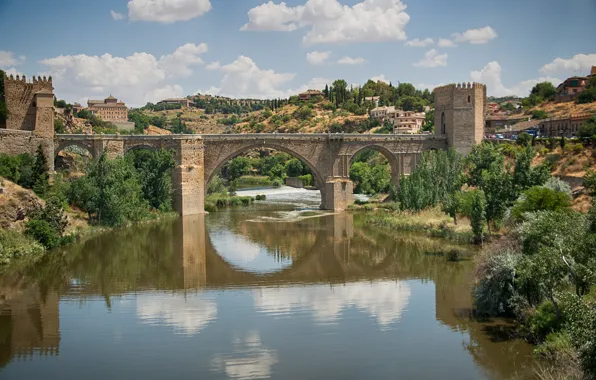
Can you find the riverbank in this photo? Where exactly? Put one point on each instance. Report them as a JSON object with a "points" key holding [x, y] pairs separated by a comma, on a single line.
{"points": [[432, 222]]}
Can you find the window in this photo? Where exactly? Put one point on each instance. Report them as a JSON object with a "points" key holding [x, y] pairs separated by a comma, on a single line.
{"points": [[469, 99], [443, 127]]}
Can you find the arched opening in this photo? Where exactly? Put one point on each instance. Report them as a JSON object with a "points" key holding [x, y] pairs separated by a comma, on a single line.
{"points": [[469, 99], [374, 171], [72, 158], [443, 126], [283, 176]]}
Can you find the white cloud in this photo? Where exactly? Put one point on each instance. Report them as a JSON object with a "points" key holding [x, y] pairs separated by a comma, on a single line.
{"points": [[177, 64], [317, 57], [580, 63], [135, 79], [380, 78], [351, 61], [167, 11], [7, 58], [385, 301], [331, 22], [476, 36], [444, 42], [213, 66], [416, 42], [432, 59], [249, 359], [12, 71], [491, 76], [187, 314], [427, 86], [117, 16]]}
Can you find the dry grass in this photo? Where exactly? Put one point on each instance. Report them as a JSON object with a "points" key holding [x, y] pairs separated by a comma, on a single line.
{"points": [[559, 110]]}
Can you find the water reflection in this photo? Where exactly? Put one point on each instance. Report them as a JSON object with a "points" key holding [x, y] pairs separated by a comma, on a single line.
{"points": [[188, 315], [334, 279], [249, 359], [385, 301]]}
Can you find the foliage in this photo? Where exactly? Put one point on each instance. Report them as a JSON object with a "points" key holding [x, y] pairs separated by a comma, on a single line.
{"points": [[556, 184], [216, 186], [540, 198], [539, 114], [14, 245], [98, 125], [47, 224], [111, 192], [478, 214], [59, 126], [545, 321], [590, 182], [589, 93], [370, 179], [437, 177], [524, 139], [588, 128], [307, 180], [294, 168], [40, 174], [238, 167], [496, 288], [581, 326], [155, 173]]}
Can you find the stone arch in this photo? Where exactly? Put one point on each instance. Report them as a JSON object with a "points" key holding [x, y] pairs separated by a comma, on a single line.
{"points": [[65, 144], [394, 165], [130, 148], [320, 180]]}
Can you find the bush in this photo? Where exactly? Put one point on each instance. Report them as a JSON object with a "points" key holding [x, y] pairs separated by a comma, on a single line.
{"points": [[43, 232], [590, 182], [540, 198], [307, 180], [14, 245], [261, 197], [544, 321], [524, 139], [277, 183], [556, 184], [478, 215], [552, 159], [495, 289]]}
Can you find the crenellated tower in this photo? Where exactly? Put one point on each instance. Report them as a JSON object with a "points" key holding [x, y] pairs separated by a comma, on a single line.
{"points": [[30, 105], [459, 114]]}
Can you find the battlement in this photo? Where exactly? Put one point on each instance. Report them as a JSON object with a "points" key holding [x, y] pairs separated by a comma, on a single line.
{"points": [[461, 86], [23, 79]]}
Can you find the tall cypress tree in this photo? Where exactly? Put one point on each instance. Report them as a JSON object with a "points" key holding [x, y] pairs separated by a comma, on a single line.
{"points": [[41, 177]]}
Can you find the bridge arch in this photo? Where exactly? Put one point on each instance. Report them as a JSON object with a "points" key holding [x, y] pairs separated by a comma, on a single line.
{"points": [[220, 162], [131, 148], [67, 144], [394, 165]]}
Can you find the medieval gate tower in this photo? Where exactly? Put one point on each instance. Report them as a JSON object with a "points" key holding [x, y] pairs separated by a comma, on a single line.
{"points": [[459, 114]]}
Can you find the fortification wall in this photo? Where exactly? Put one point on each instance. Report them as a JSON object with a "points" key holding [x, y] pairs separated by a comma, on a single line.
{"points": [[20, 100], [14, 142]]}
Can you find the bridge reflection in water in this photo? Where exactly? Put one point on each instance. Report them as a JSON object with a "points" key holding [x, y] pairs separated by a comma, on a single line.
{"points": [[330, 264]]}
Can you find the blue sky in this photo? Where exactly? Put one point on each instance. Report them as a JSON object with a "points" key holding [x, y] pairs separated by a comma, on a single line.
{"points": [[144, 50]]}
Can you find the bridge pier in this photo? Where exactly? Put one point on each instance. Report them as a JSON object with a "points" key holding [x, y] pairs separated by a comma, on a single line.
{"points": [[338, 194], [189, 176]]}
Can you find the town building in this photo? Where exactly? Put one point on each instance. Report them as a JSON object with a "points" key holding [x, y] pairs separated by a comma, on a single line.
{"points": [[500, 121], [108, 109], [308, 95], [184, 103], [402, 121], [571, 87], [493, 107], [374, 99], [566, 126], [76, 108]]}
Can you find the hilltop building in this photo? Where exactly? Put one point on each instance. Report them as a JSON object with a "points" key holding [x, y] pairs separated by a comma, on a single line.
{"points": [[403, 121], [109, 109], [184, 103], [307, 95], [565, 126], [573, 86]]}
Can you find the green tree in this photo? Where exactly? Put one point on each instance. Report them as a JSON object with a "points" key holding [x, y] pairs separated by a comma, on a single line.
{"points": [[47, 224], [340, 88], [478, 215], [524, 139], [589, 93], [238, 167], [544, 90], [155, 174], [294, 168], [539, 114], [588, 128], [41, 177], [429, 122], [540, 198], [111, 192]]}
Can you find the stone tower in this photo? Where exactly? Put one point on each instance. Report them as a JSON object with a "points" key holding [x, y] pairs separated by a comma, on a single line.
{"points": [[30, 107], [459, 114]]}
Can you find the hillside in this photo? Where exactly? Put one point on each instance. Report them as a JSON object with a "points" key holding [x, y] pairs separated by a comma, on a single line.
{"points": [[561, 110]]}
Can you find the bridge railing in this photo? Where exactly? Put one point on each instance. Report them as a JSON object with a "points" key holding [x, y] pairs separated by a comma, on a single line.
{"points": [[260, 136]]}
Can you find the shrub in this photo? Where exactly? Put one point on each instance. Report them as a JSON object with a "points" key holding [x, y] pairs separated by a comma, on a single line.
{"points": [[14, 245], [524, 139], [552, 159], [556, 184], [261, 197], [478, 215], [277, 183], [43, 232], [306, 179], [495, 289], [590, 182], [540, 198], [544, 321]]}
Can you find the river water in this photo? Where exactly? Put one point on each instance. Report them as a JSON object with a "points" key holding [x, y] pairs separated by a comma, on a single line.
{"points": [[278, 290]]}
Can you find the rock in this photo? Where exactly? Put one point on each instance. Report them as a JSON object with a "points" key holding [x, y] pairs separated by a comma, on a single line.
{"points": [[15, 204]]}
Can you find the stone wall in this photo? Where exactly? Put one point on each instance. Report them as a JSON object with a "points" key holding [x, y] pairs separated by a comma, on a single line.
{"points": [[14, 142], [20, 100], [462, 108]]}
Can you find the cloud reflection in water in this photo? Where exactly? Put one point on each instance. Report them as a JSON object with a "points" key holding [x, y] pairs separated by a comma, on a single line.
{"points": [[249, 359]]}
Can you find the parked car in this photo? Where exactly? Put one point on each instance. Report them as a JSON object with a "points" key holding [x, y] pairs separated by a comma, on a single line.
{"points": [[499, 136]]}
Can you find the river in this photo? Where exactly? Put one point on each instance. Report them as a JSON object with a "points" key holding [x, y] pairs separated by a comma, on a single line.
{"points": [[276, 290]]}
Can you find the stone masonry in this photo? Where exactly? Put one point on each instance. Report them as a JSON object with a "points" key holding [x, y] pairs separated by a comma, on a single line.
{"points": [[459, 123], [459, 114]]}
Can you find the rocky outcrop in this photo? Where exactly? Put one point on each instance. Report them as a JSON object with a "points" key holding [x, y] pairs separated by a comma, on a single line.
{"points": [[15, 204]]}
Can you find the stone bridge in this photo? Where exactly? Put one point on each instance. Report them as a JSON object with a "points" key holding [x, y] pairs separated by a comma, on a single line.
{"points": [[199, 157]]}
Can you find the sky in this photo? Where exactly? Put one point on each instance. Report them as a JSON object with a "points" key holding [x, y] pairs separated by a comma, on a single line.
{"points": [[146, 50]]}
